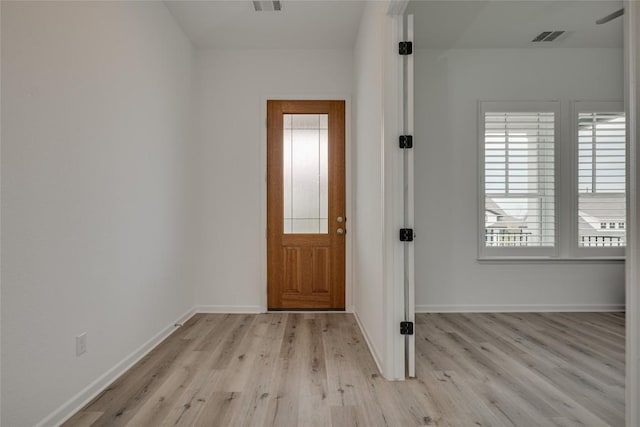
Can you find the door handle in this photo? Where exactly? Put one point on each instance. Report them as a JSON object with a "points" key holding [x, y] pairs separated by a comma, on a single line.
{"points": [[340, 231]]}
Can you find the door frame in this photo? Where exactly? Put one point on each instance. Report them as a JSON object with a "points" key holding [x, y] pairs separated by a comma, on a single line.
{"points": [[393, 174], [263, 290], [632, 101], [407, 115]]}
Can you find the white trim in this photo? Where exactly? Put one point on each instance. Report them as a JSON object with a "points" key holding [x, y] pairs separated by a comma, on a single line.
{"points": [[551, 260], [410, 191], [631, 76], [235, 309], [349, 159], [0, 253], [372, 349], [77, 402], [518, 308]]}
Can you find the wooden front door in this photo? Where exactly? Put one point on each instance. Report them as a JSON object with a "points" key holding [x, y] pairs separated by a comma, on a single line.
{"points": [[306, 205]]}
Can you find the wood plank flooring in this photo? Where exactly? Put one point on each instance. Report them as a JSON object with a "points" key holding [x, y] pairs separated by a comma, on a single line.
{"points": [[279, 369]]}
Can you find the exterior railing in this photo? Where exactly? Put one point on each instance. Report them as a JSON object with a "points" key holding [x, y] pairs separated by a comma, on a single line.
{"points": [[506, 237], [496, 237], [601, 241]]}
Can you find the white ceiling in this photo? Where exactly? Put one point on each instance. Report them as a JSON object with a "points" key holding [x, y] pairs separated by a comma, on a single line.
{"points": [[304, 24], [513, 24]]}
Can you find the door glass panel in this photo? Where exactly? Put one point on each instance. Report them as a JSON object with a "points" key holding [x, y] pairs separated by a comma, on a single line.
{"points": [[306, 172]]}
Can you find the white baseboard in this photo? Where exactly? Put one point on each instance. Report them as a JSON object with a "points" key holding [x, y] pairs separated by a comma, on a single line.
{"points": [[372, 350], [76, 403], [517, 308], [248, 309]]}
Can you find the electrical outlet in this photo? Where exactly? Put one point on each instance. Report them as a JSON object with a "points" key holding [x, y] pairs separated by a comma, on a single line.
{"points": [[81, 344]]}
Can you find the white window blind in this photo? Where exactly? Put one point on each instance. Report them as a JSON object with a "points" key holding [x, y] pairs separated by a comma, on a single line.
{"points": [[601, 179], [519, 179]]}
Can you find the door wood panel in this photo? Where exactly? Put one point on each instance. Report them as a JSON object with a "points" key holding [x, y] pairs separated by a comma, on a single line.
{"points": [[292, 269], [306, 270], [321, 270]]}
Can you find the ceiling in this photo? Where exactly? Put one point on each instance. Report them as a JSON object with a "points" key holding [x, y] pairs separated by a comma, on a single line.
{"points": [[513, 24], [305, 24]]}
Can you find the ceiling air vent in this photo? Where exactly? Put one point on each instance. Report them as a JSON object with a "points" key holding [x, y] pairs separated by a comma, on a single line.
{"points": [[547, 36], [267, 6]]}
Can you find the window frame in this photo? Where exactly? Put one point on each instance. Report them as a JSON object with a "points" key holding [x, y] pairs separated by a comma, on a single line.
{"points": [[492, 253], [578, 107]]}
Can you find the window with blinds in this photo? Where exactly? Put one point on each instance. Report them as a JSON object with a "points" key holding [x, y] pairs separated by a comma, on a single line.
{"points": [[519, 179], [601, 177]]}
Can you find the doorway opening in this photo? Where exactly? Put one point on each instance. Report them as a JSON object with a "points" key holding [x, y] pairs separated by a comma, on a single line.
{"points": [[521, 170]]}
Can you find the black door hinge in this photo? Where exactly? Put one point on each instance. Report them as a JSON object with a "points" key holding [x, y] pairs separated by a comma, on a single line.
{"points": [[405, 48], [406, 141], [406, 328], [406, 234]]}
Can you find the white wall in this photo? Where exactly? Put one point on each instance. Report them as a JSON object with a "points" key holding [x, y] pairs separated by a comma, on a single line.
{"points": [[233, 87], [94, 178], [367, 224], [377, 277], [448, 87]]}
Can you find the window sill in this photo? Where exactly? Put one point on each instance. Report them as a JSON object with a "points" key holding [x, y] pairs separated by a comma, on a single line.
{"points": [[550, 260]]}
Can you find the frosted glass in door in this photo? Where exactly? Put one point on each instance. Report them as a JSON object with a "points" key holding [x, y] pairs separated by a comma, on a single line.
{"points": [[305, 173]]}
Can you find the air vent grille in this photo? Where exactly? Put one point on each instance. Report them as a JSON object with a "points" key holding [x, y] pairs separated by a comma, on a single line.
{"points": [[267, 6], [548, 36]]}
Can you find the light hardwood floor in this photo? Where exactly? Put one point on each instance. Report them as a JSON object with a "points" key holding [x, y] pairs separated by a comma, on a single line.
{"points": [[282, 369]]}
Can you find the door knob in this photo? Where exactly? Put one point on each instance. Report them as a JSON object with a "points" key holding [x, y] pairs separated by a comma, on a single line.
{"points": [[340, 231]]}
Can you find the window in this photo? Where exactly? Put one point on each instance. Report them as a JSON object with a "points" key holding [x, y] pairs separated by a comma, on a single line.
{"points": [[518, 183], [601, 176], [523, 180]]}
